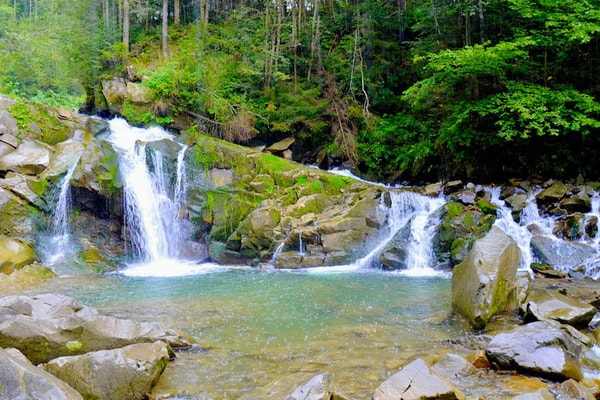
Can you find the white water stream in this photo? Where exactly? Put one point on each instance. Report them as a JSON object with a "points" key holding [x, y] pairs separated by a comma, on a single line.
{"points": [[153, 202]]}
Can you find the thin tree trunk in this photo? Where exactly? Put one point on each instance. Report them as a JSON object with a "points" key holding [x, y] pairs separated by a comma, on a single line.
{"points": [[176, 10], [165, 28], [126, 24]]}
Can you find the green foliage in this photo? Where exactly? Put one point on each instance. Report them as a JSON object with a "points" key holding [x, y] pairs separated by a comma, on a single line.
{"points": [[138, 115], [397, 143], [527, 110]]}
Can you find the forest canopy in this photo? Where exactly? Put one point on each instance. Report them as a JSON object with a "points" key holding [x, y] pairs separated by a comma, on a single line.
{"points": [[400, 90]]}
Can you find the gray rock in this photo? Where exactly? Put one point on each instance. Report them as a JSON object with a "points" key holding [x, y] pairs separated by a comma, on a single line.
{"points": [[485, 283], [556, 192], [65, 155], [281, 145], [48, 326], [559, 253], [547, 304], [286, 387], [29, 158], [540, 348], [416, 381], [127, 373], [22, 380], [114, 91]]}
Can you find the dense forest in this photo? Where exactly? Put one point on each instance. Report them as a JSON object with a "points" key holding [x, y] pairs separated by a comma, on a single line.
{"points": [[401, 90]]}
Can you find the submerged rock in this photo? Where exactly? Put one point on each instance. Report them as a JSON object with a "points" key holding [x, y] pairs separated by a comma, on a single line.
{"points": [[313, 388], [540, 348], [50, 325], [19, 379], [485, 283], [416, 381], [127, 373]]}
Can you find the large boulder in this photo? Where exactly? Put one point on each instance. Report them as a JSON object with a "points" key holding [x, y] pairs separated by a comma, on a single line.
{"points": [[561, 254], [460, 226], [485, 283], [15, 253], [416, 381], [540, 348], [127, 373], [115, 92], [65, 155], [19, 379], [546, 304], [48, 326], [29, 158]]}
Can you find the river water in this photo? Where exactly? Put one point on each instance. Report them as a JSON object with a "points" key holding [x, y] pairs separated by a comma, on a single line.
{"points": [[253, 327]]}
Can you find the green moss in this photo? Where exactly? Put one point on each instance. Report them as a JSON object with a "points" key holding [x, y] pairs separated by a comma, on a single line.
{"points": [[335, 184], [37, 122], [39, 187]]}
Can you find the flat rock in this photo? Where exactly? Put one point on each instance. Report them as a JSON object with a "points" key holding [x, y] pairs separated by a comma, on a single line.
{"points": [[415, 381], [29, 158], [552, 305], [48, 326], [540, 348]]}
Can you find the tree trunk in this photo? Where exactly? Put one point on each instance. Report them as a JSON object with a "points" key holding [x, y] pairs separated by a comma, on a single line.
{"points": [[481, 25], [176, 9], [165, 28], [126, 25]]}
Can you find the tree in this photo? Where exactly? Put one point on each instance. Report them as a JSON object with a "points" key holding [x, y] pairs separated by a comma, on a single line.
{"points": [[165, 28]]}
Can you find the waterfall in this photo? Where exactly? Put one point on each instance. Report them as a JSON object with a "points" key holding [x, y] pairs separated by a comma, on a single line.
{"points": [[59, 239], [413, 212], [154, 199]]}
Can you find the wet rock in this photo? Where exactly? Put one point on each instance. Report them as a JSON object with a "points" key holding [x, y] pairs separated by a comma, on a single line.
{"points": [[560, 254], [65, 155], [517, 202], [485, 283], [546, 304], [48, 326], [539, 348], [433, 189], [22, 380], [416, 381], [29, 158], [466, 196], [556, 192], [579, 202], [547, 270], [15, 253], [314, 388], [125, 373], [393, 255], [459, 227], [453, 186]]}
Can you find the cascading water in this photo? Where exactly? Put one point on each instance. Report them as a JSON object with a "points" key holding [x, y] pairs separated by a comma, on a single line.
{"points": [[59, 240], [153, 204], [415, 211]]}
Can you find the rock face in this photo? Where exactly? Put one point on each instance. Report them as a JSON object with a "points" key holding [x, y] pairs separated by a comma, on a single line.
{"points": [[540, 348], [560, 254], [127, 373], [14, 253], [22, 380], [416, 382], [49, 326], [485, 283], [29, 158]]}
